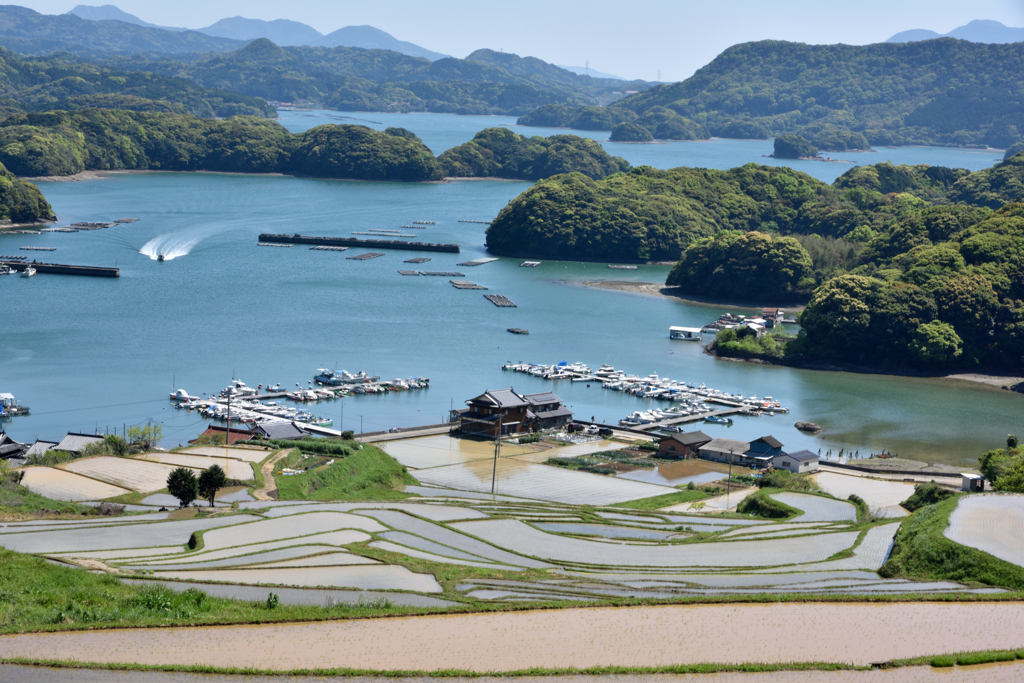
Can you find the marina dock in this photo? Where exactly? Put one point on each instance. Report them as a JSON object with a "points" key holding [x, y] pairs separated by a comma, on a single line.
{"points": [[268, 238], [63, 268]]}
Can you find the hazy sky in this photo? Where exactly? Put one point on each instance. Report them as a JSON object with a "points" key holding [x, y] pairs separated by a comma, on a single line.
{"points": [[633, 39]]}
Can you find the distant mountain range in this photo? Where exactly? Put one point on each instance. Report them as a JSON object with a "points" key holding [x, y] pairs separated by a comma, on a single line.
{"points": [[978, 31], [587, 71], [282, 32]]}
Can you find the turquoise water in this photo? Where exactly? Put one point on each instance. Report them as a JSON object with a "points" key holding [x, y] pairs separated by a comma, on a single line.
{"points": [[89, 353]]}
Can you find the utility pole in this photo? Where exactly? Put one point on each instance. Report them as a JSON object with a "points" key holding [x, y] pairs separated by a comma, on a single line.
{"points": [[728, 482], [227, 435], [497, 449]]}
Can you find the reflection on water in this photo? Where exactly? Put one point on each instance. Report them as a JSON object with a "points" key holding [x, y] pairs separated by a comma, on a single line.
{"points": [[680, 473]]}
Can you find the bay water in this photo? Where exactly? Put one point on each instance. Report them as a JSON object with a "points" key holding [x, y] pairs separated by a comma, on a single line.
{"points": [[91, 353]]}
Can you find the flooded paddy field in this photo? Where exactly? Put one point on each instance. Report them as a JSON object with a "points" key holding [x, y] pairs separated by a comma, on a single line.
{"points": [[628, 636], [992, 523], [985, 673]]}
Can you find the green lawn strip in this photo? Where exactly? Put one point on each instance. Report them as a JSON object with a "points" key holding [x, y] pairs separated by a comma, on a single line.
{"points": [[959, 658], [656, 502], [132, 497], [449, 673], [369, 474], [922, 552]]}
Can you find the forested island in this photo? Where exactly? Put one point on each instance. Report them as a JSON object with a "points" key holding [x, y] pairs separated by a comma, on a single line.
{"points": [[901, 266], [501, 153], [61, 143], [21, 201], [838, 97]]}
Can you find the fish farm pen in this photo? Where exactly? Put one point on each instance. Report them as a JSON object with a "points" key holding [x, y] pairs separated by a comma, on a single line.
{"points": [[266, 238]]}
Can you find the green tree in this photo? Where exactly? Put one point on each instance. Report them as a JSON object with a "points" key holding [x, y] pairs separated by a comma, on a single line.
{"points": [[935, 343], [1011, 481], [116, 445], [182, 484], [145, 437], [793, 147], [211, 480]]}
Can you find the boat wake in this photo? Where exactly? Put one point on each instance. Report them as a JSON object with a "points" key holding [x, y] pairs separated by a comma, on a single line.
{"points": [[170, 246]]}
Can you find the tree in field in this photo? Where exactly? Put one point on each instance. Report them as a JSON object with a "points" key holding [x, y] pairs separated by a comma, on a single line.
{"points": [[182, 484], [212, 480]]}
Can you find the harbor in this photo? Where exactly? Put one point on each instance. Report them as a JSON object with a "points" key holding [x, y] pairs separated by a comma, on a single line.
{"points": [[267, 238], [691, 402]]}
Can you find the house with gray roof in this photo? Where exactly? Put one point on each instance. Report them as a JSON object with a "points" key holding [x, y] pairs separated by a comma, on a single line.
{"points": [[797, 463], [286, 431], [76, 443], [516, 413]]}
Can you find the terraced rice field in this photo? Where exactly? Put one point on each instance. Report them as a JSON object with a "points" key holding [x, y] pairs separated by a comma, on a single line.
{"points": [[235, 469], [373, 577], [526, 540], [137, 475], [61, 485], [818, 508], [881, 496], [540, 482], [293, 526], [442, 450], [992, 523], [252, 455], [629, 637]]}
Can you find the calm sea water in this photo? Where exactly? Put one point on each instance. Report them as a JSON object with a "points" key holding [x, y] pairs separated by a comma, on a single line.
{"points": [[88, 353]]}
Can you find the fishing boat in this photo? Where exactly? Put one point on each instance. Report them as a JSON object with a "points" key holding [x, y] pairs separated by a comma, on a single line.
{"points": [[28, 272], [718, 420], [6, 270]]}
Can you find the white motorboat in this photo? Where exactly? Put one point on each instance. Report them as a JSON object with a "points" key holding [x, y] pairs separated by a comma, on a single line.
{"points": [[28, 272]]}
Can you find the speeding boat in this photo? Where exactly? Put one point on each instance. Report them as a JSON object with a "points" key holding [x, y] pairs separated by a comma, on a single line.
{"points": [[159, 257]]}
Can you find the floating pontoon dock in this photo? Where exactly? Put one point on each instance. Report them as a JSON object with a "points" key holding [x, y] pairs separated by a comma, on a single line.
{"points": [[355, 242]]}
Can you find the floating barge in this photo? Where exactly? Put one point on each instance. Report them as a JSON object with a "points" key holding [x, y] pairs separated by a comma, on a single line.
{"points": [[500, 301], [355, 242], [63, 269]]}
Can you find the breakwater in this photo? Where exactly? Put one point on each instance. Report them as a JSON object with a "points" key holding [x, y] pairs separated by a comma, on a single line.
{"points": [[63, 269], [354, 242]]}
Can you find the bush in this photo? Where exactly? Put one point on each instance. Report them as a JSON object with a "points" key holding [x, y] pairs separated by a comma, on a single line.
{"points": [[926, 494], [761, 504], [985, 657], [328, 447], [943, 661]]}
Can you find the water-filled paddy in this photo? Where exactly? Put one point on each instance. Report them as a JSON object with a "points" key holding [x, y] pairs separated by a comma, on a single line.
{"points": [[632, 636]]}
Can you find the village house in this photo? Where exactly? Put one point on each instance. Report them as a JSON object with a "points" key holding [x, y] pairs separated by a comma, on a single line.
{"points": [[797, 463], [517, 413], [757, 453], [684, 445]]}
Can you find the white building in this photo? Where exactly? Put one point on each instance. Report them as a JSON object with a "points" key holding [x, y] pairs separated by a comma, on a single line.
{"points": [[797, 463]]}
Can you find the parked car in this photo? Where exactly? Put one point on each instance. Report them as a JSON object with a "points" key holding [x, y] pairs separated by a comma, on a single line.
{"points": [[574, 427], [604, 431], [593, 429]]}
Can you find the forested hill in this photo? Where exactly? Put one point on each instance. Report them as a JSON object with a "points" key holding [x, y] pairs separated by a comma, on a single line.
{"points": [[64, 82], [21, 201], [29, 32], [500, 153], [354, 79], [943, 91], [60, 143]]}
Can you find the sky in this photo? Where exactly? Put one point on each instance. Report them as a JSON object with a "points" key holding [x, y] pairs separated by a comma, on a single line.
{"points": [[636, 39]]}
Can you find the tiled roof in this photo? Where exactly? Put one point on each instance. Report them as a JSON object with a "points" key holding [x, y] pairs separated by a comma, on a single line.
{"points": [[76, 443]]}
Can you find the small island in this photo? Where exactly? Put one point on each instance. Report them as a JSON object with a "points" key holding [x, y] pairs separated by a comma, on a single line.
{"points": [[794, 147]]}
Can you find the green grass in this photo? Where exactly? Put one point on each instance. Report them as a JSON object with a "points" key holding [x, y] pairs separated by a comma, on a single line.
{"points": [[16, 501], [369, 474], [922, 552], [684, 496], [970, 658]]}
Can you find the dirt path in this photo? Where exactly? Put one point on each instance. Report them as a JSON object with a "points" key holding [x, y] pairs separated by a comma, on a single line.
{"points": [[269, 485], [854, 633]]}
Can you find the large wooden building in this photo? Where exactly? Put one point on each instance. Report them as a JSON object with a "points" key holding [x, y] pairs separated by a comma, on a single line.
{"points": [[514, 412]]}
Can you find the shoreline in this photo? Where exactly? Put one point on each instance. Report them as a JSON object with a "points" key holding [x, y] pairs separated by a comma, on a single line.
{"points": [[655, 289], [1010, 383]]}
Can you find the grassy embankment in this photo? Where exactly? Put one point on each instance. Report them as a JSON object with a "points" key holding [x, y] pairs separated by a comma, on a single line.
{"points": [[17, 502], [364, 474], [921, 551]]}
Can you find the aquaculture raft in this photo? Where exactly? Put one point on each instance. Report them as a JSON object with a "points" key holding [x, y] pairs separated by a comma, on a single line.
{"points": [[38, 248], [476, 262], [622, 267], [323, 248], [365, 257], [417, 260], [500, 301], [355, 242], [408, 272], [518, 330], [442, 273], [465, 284]]}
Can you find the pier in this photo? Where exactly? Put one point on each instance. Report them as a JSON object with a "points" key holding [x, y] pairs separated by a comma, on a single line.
{"points": [[63, 269], [267, 238], [500, 301]]}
